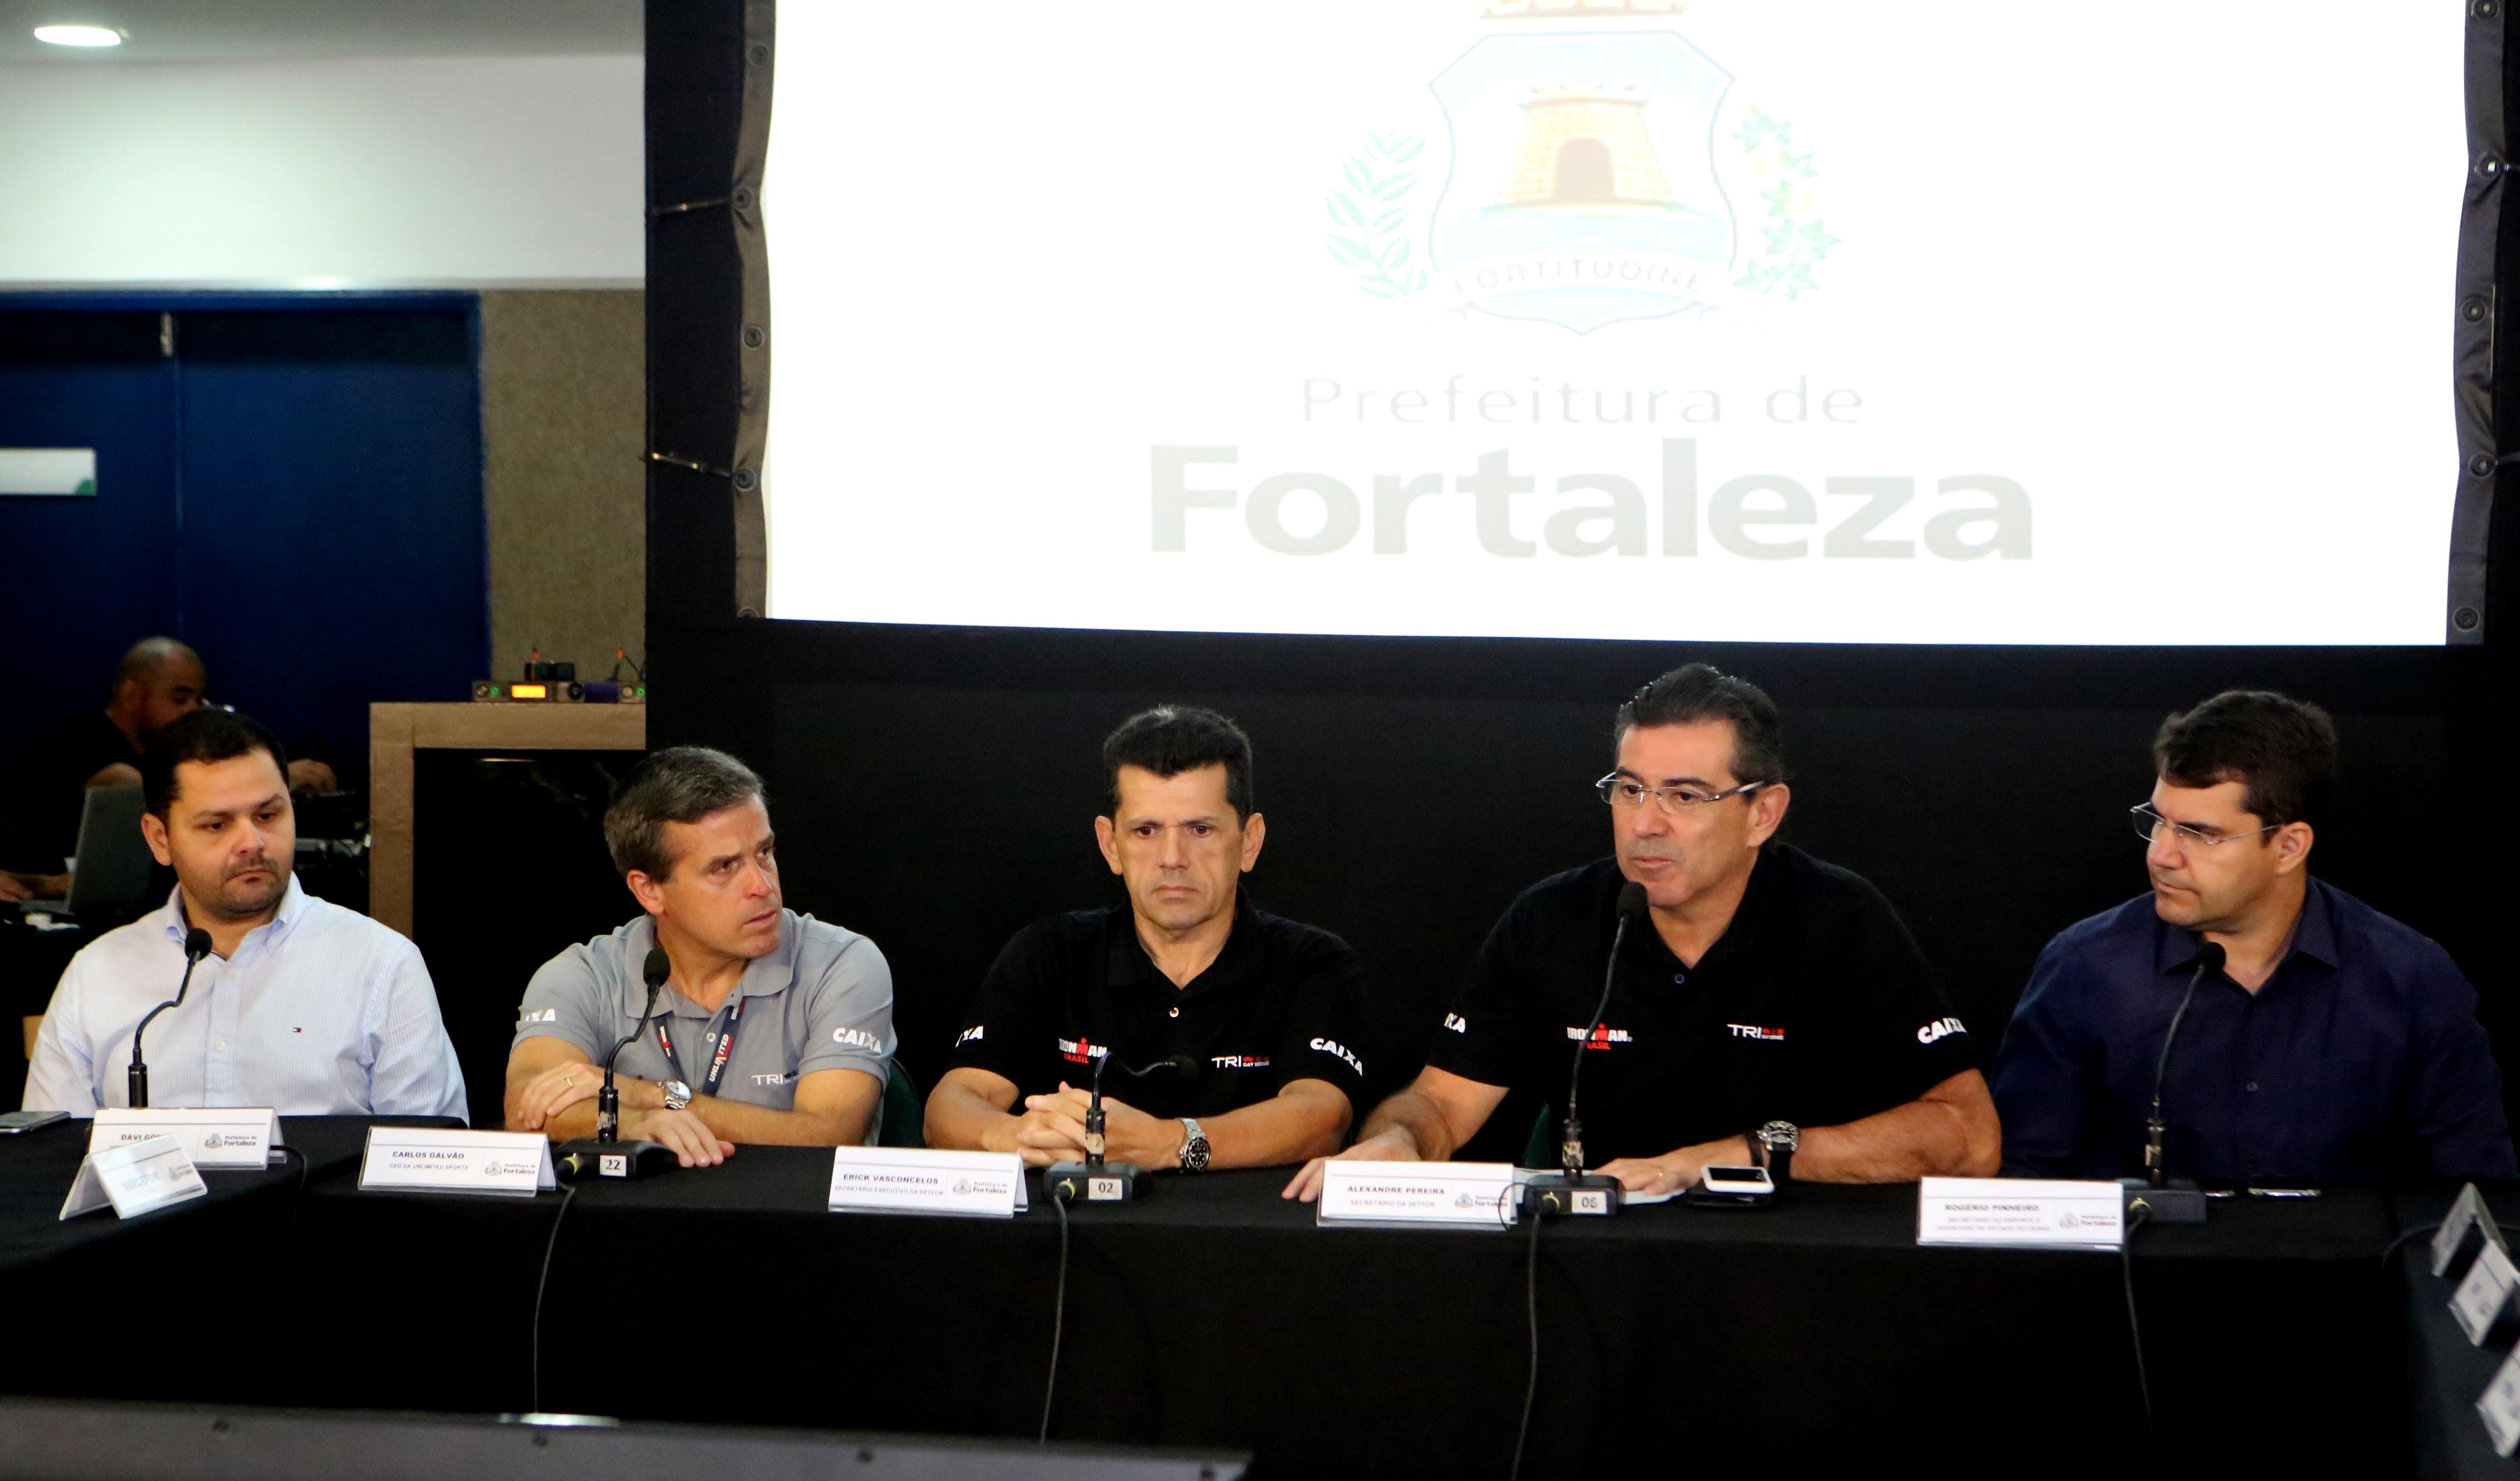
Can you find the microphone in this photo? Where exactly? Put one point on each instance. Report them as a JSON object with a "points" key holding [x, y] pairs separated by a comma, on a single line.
{"points": [[608, 1101], [196, 945], [1095, 1180], [608, 1155], [1573, 1190], [2154, 1194]]}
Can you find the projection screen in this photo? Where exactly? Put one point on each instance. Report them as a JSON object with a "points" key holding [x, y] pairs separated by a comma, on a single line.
{"points": [[1835, 321]]}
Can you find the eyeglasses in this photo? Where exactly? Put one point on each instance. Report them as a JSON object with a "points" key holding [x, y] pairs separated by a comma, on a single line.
{"points": [[2151, 826], [1627, 791]]}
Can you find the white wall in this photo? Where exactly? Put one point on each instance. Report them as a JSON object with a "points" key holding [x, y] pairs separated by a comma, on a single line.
{"points": [[468, 171]]}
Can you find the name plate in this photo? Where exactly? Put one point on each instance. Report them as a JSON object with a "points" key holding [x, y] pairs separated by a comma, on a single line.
{"points": [[134, 1177], [217, 1137], [1463, 1194], [904, 1180], [2022, 1213], [430, 1160], [2469, 1212], [2499, 1408], [2479, 1299]]}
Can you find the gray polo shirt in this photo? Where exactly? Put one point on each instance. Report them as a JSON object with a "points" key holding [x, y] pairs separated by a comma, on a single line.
{"points": [[822, 1001]]}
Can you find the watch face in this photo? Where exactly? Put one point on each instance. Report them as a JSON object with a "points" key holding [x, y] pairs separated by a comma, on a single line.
{"points": [[677, 1095], [1783, 1134]]}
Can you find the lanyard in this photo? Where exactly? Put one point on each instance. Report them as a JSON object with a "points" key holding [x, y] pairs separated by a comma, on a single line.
{"points": [[717, 1061]]}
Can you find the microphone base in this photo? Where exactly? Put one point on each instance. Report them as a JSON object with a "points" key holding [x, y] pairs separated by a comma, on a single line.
{"points": [[2179, 1204], [1565, 1195], [577, 1161], [1097, 1183]]}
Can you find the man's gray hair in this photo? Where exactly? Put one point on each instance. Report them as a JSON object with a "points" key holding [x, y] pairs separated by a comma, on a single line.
{"points": [[680, 785]]}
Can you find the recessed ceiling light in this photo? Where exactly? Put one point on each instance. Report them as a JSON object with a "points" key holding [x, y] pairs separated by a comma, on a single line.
{"points": [[78, 35]]}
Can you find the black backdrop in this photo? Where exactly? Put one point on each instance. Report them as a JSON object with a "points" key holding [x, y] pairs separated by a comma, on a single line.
{"points": [[934, 787]]}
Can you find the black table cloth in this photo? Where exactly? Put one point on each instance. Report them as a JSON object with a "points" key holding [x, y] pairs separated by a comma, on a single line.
{"points": [[1216, 1314]]}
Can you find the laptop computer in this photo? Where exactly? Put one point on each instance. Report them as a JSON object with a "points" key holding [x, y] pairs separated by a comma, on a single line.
{"points": [[112, 877]]}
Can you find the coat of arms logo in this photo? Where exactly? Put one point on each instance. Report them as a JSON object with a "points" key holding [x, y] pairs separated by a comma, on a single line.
{"points": [[1584, 182]]}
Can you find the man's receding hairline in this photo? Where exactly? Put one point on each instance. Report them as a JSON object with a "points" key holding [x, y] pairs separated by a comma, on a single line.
{"points": [[664, 827]]}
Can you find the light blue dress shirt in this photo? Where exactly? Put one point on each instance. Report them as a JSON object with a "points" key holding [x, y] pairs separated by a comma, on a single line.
{"points": [[321, 1012]]}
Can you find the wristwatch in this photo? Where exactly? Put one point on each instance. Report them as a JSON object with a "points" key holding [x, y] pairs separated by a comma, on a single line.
{"points": [[677, 1095], [1194, 1149], [1776, 1143]]}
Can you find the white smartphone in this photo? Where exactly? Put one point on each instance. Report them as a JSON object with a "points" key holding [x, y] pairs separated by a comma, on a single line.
{"points": [[1733, 1188]]}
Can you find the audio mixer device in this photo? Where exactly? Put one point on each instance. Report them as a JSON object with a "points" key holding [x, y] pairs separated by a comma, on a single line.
{"points": [[548, 681]]}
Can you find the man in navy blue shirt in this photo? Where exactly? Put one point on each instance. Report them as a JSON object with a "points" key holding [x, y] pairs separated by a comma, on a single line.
{"points": [[2334, 1045]]}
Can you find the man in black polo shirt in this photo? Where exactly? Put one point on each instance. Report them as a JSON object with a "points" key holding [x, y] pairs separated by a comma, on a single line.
{"points": [[1262, 1010], [1769, 1008]]}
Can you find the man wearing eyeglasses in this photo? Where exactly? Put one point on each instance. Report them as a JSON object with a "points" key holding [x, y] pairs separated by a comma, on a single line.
{"points": [[2334, 1045], [1769, 1009]]}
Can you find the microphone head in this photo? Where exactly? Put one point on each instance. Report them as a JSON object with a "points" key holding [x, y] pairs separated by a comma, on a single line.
{"points": [[197, 944], [1631, 901], [659, 968], [2210, 955]]}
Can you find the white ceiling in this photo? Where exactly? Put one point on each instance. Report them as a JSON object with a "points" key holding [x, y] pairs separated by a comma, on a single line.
{"points": [[248, 31]]}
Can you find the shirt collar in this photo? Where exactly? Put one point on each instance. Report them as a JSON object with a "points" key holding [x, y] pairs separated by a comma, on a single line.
{"points": [[1127, 962], [293, 908], [762, 976], [2314, 935]]}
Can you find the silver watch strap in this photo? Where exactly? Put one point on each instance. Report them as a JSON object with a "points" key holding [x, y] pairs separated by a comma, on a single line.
{"points": [[1191, 1134]]}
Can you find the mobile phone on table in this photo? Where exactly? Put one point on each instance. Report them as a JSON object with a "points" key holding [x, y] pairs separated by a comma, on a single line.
{"points": [[1721, 1186], [11, 1123]]}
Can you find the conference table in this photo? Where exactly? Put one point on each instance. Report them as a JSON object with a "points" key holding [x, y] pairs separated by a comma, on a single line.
{"points": [[1215, 1313]]}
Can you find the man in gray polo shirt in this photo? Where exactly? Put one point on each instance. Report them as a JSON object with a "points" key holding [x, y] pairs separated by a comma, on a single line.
{"points": [[773, 1027]]}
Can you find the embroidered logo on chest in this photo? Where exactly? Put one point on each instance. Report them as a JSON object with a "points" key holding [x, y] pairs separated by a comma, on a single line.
{"points": [[1602, 1037], [1755, 1031]]}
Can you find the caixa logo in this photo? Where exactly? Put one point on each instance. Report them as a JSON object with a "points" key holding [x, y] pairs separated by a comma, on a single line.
{"points": [[1333, 1046], [1940, 1028]]}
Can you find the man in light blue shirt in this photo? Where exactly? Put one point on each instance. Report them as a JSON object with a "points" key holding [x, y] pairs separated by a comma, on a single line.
{"points": [[301, 1005]]}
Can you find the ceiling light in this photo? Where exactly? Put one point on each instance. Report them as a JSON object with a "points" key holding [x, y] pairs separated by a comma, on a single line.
{"points": [[78, 35]]}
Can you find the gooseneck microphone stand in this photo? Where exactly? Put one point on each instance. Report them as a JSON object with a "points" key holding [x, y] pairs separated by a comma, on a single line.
{"points": [[1571, 1190], [196, 945], [608, 1155], [1094, 1180], [2154, 1196]]}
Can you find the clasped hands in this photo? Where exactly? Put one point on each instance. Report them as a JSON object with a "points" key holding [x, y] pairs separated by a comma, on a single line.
{"points": [[1052, 1129], [644, 1117]]}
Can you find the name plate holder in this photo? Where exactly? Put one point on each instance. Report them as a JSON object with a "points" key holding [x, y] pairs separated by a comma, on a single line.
{"points": [[2500, 1406], [2477, 1302], [904, 1180], [2469, 1215], [2020, 1213], [135, 1177], [420, 1160], [1416, 1194], [217, 1138]]}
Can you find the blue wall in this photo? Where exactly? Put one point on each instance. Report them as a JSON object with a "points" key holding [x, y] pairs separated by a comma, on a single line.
{"points": [[295, 491]]}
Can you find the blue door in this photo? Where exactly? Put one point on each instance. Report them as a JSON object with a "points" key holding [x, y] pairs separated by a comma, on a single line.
{"points": [[291, 484]]}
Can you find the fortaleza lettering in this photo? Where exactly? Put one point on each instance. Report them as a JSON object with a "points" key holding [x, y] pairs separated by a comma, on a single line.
{"points": [[1756, 517]]}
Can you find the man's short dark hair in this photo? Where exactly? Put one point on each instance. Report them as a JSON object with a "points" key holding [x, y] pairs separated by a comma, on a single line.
{"points": [[204, 736], [2282, 748], [1172, 739], [681, 784], [1698, 692]]}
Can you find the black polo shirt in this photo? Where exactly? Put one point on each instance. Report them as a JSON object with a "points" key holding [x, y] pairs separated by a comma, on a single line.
{"points": [[1814, 1006], [1283, 1001]]}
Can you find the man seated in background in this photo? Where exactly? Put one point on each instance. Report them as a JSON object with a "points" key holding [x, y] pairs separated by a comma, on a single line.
{"points": [[1261, 1013], [158, 682], [2332, 1045], [690, 835], [301, 1005], [1768, 1009]]}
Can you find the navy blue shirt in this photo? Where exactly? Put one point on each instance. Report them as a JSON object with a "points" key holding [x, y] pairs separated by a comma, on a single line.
{"points": [[2361, 1057]]}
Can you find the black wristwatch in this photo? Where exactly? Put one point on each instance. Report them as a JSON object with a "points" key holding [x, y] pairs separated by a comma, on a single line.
{"points": [[1775, 1145], [1194, 1147]]}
